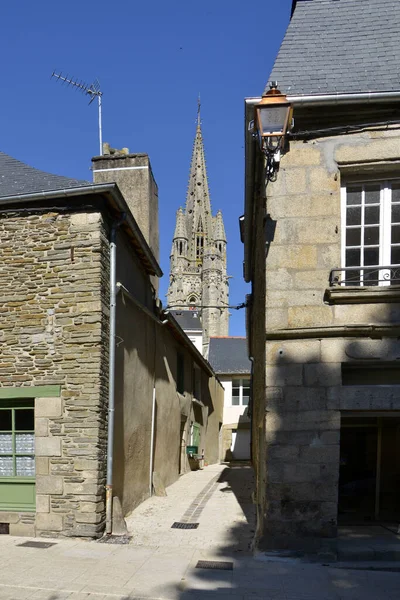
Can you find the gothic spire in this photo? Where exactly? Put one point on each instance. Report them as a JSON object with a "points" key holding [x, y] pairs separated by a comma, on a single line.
{"points": [[180, 228], [198, 205], [219, 229]]}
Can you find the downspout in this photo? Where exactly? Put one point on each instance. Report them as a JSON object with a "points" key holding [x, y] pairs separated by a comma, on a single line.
{"points": [[153, 417], [111, 373]]}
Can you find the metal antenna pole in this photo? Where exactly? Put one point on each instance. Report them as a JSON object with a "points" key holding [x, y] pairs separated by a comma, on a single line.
{"points": [[100, 126], [92, 90]]}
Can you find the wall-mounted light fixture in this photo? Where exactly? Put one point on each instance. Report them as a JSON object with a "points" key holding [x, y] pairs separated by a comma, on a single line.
{"points": [[273, 116]]}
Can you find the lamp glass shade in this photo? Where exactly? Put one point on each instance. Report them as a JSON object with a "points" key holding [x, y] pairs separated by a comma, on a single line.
{"points": [[272, 119]]}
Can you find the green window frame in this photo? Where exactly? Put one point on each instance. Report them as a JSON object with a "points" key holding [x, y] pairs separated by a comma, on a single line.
{"points": [[17, 439]]}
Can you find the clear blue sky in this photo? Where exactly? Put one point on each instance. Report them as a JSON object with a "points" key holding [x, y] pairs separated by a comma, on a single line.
{"points": [[152, 60]]}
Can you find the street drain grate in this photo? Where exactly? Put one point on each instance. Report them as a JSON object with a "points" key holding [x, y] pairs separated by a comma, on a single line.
{"points": [[115, 539], [215, 564], [41, 545], [178, 525], [4, 528]]}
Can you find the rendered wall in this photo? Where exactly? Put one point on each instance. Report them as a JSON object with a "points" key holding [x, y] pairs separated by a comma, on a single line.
{"points": [[133, 174]]}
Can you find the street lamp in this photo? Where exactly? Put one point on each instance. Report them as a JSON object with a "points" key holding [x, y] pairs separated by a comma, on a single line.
{"points": [[273, 115]]}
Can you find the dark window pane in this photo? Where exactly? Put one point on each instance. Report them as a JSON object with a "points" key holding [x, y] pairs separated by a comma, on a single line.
{"points": [[372, 194], [24, 419], [353, 257], [371, 236], [395, 234], [353, 216], [180, 373], [371, 215], [235, 390], [371, 276], [5, 420], [246, 382], [352, 277], [354, 195], [395, 255], [395, 213], [396, 192], [371, 256], [353, 236]]}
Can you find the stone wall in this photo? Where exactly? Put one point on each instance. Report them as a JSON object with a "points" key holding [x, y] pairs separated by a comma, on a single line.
{"points": [[54, 306], [309, 337], [52, 325]]}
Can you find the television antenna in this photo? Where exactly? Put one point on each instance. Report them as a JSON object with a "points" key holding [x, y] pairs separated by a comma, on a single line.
{"points": [[92, 90]]}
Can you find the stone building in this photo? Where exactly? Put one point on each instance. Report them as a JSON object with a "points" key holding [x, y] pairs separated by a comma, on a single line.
{"points": [[322, 251], [58, 237], [228, 357], [198, 277]]}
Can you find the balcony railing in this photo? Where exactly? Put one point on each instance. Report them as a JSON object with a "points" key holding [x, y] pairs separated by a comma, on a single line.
{"points": [[365, 276]]}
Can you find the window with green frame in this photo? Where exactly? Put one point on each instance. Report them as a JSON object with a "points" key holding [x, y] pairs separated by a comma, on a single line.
{"points": [[17, 454]]}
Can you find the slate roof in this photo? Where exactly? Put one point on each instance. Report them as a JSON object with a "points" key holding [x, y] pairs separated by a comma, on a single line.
{"points": [[340, 46], [17, 178], [187, 319], [229, 355]]}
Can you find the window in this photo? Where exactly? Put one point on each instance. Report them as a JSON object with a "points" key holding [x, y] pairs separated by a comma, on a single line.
{"points": [[17, 439], [196, 382], [371, 234], [240, 392], [199, 247], [180, 373]]}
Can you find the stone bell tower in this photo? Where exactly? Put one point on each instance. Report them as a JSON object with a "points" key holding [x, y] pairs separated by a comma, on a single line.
{"points": [[198, 277]]}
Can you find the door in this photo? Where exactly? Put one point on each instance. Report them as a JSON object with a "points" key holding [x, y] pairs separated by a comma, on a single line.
{"points": [[196, 435], [240, 447], [369, 480]]}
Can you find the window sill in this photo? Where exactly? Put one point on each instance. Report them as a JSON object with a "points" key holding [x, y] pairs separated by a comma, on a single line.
{"points": [[362, 294]]}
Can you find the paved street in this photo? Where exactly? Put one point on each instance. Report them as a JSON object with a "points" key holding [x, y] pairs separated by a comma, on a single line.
{"points": [[160, 561]]}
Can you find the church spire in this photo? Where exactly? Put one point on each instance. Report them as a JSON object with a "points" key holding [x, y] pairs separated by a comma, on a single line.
{"points": [[198, 204], [198, 274]]}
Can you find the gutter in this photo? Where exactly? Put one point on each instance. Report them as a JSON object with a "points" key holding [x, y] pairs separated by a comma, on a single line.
{"points": [[117, 201], [337, 98]]}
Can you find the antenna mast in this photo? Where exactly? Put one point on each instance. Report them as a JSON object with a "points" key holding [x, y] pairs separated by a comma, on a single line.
{"points": [[92, 90]]}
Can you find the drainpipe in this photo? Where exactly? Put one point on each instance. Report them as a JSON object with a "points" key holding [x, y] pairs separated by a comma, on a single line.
{"points": [[153, 417], [111, 374]]}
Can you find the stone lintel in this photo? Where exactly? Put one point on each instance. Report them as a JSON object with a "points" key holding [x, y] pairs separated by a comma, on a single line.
{"points": [[298, 333], [362, 295]]}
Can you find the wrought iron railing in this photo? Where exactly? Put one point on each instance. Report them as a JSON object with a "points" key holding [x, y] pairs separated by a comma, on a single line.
{"points": [[365, 276]]}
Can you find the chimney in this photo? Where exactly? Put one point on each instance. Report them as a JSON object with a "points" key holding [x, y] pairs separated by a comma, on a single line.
{"points": [[134, 177]]}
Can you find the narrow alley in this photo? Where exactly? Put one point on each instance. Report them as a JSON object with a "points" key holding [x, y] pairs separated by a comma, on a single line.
{"points": [[164, 562], [217, 498]]}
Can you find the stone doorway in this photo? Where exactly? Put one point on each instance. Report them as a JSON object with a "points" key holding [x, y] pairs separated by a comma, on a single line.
{"points": [[369, 476]]}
